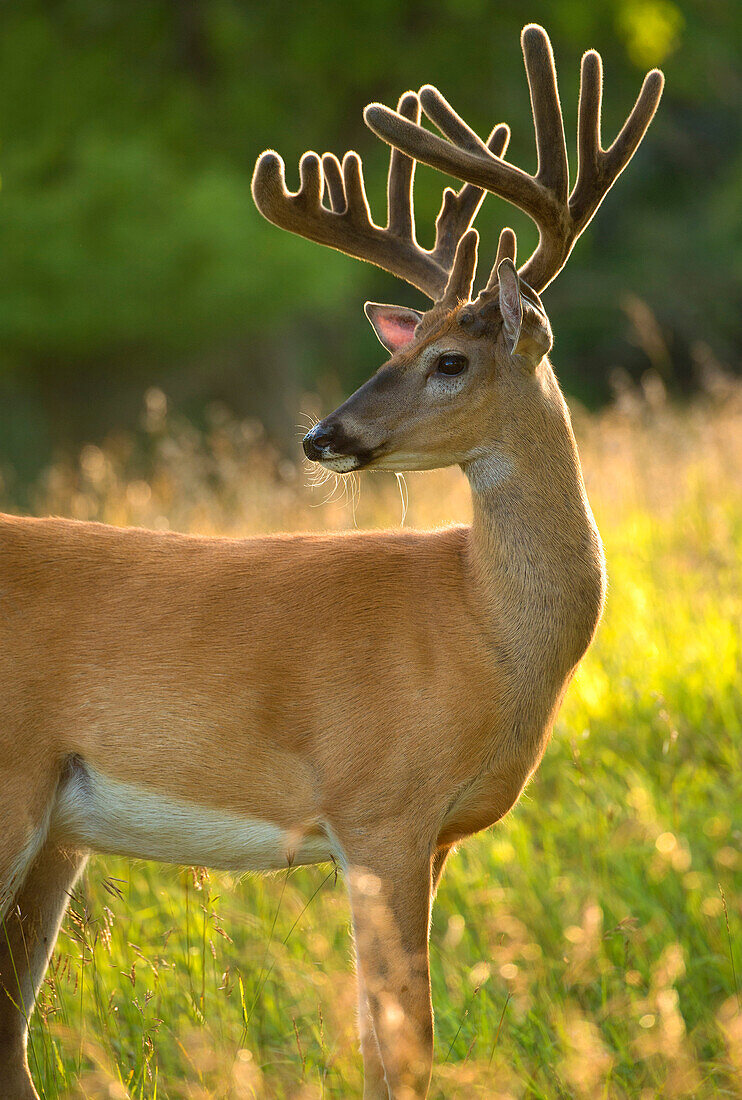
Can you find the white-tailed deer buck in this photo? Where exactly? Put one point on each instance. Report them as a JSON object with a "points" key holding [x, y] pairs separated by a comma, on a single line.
{"points": [[370, 697]]}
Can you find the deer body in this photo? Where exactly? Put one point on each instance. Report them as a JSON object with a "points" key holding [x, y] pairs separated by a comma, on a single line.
{"points": [[370, 698], [139, 643]]}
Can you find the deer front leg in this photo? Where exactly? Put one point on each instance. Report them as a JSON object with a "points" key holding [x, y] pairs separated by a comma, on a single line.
{"points": [[374, 1078], [390, 891]]}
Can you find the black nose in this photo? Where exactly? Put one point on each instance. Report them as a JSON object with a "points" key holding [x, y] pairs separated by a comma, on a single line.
{"points": [[316, 441]]}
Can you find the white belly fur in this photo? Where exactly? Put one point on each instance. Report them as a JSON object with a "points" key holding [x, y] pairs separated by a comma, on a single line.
{"points": [[106, 815]]}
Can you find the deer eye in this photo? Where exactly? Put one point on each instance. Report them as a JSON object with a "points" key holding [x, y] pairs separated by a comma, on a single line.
{"points": [[450, 363]]}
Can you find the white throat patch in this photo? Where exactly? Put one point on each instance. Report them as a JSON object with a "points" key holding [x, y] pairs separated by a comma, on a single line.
{"points": [[488, 469]]}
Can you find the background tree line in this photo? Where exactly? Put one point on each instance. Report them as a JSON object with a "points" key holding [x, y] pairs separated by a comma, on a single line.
{"points": [[132, 253]]}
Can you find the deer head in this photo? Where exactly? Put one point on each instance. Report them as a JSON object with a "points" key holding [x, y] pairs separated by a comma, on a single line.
{"points": [[461, 373]]}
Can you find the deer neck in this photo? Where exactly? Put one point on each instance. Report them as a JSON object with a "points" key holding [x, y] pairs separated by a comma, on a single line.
{"points": [[535, 552]]}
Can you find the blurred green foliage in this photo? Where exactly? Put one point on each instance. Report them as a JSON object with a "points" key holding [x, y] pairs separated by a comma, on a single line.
{"points": [[132, 252]]}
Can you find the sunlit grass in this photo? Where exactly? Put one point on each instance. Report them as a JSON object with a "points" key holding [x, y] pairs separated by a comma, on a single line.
{"points": [[584, 948]]}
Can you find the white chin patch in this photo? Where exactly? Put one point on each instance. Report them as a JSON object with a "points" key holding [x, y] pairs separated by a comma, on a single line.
{"points": [[340, 464]]}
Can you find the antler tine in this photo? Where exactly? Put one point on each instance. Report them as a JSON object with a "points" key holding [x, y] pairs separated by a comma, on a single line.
{"points": [[459, 208], [346, 223], [357, 212], [553, 168], [460, 281], [544, 197], [507, 249], [333, 180], [594, 164], [400, 205]]}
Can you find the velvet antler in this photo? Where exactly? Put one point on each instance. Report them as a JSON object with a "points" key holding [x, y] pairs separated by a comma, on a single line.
{"points": [[346, 223], [559, 216]]}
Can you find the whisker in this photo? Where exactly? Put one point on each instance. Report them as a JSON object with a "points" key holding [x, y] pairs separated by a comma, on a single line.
{"points": [[335, 488], [356, 496], [313, 469], [348, 484], [320, 480], [303, 428], [316, 475], [404, 494]]}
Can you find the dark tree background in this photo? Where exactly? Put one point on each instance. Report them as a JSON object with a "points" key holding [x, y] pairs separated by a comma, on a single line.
{"points": [[132, 254]]}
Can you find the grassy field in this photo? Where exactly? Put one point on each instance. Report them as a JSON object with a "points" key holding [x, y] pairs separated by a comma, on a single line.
{"points": [[589, 946]]}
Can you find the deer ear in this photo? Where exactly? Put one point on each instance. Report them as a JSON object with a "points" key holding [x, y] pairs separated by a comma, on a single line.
{"points": [[511, 303], [394, 325], [525, 325]]}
